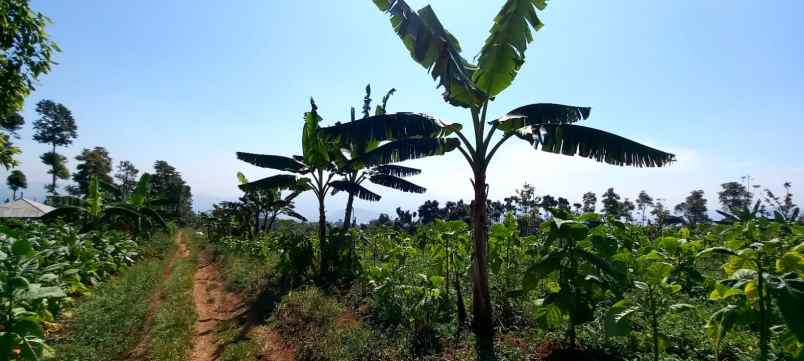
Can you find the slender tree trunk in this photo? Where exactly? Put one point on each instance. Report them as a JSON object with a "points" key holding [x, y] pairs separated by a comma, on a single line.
{"points": [[53, 183], [654, 323], [347, 219], [764, 327], [322, 237], [271, 222], [482, 324], [256, 223], [14, 197]]}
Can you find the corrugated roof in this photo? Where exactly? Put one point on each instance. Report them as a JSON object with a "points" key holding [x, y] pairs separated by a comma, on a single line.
{"points": [[24, 208]]}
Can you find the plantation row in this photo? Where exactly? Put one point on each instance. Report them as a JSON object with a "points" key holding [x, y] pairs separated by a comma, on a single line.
{"points": [[619, 288], [43, 269], [49, 264]]}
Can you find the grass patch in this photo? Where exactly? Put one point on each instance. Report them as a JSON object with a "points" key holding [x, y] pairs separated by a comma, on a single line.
{"points": [[109, 322], [314, 324], [172, 333], [228, 334]]}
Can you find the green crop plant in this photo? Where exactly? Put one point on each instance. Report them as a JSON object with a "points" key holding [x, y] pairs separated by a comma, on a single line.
{"points": [[651, 298], [576, 277], [763, 283]]}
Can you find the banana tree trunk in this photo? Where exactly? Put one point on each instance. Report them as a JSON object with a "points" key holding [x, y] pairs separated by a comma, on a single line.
{"points": [[322, 237], [270, 224], [256, 223], [482, 324], [347, 219]]}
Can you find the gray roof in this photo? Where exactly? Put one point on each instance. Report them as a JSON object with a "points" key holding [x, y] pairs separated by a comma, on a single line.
{"points": [[24, 208]]}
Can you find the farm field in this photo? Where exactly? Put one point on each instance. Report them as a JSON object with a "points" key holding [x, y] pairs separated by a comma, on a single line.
{"points": [[496, 218]]}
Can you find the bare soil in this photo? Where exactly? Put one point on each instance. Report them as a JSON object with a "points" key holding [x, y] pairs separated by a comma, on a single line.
{"points": [[213, 304]]}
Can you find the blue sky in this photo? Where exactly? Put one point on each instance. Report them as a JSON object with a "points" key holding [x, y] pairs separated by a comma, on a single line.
{"points": [[191, 82]]}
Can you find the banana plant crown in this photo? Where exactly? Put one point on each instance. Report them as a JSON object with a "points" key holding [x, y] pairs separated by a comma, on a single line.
{"points": [[545, 126]]}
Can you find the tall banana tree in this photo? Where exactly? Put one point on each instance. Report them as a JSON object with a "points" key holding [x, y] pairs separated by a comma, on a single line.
{"points": [[549, 127], [270, 203], [399, 137], [314, 170], [355, 171]]}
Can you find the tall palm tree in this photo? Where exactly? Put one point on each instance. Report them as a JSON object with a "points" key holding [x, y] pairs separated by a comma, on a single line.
{"points": [[549, 127]]}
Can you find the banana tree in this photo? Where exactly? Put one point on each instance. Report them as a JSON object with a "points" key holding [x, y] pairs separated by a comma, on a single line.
{"points": [[356, 171], [140, 202], [314, 170], [473, 86], [270, 204], [91, 212]]}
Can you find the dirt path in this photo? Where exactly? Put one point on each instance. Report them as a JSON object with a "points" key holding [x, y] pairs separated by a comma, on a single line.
{"points": [[213, 304], [139, 351]]}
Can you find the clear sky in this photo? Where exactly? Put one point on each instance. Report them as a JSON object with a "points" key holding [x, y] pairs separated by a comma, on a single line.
{"points": [[719, 83]]}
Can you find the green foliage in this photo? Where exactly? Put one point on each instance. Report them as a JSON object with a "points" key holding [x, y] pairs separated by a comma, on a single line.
{"points": [[314, 322], [652, 295], [573, 264], [763, 286], [95, 163], [26, 52], [16, 181], [39, 267]]}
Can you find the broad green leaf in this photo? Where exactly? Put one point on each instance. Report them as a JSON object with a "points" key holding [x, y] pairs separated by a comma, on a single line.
{"points": [[789, 296], [540, 269], [391, 126], [606, 246], [504, 51], [534, 115], [22, 248], [94, 198], [722, 292], [617, 322], [141, 191], [315, 150], [720, 323], [549, 315], [790, 262], [718, 250], [277, 162], [281, 181], [356, 190], [436, 50], [658, 271], [36, 291], [396, 183], [601, 146], [570, 229]]}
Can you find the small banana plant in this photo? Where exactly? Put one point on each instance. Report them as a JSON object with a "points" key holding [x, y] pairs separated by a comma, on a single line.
{"points": [[764, 281], [651, 297], [576, 277]]}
